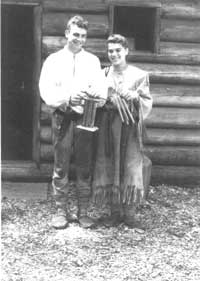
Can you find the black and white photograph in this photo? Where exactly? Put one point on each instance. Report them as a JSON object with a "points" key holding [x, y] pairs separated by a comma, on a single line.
{"points": [[100, 140]]}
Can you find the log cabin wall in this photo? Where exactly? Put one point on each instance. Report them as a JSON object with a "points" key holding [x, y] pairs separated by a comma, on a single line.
{"points": [[174, 124]]}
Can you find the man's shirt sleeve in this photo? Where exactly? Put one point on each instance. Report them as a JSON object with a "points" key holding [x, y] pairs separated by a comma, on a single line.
{"points": [[99, 82], [52, 90]]}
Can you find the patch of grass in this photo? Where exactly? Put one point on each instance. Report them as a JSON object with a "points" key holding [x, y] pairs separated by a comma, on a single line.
{"points": [[169, 249]]}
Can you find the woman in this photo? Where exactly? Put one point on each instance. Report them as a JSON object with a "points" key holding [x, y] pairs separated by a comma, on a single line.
{"points": [[121, 171]]}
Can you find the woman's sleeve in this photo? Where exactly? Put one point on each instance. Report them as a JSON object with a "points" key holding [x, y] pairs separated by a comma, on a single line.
{"points": [[143, 89]]}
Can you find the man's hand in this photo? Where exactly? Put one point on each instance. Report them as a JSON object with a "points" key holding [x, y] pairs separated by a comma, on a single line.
{"points": [[76, 98], [90, 92]]}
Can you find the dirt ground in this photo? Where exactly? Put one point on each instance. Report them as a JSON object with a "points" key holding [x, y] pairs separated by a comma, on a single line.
{"points": [[167, 250]]}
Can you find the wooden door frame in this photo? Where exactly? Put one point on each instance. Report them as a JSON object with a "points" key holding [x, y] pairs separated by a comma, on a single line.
{"points": [[37, 39], [37, 33]]}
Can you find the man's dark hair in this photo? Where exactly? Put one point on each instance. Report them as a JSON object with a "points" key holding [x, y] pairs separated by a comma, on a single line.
{"points": [[79, 21], [117, 38]]}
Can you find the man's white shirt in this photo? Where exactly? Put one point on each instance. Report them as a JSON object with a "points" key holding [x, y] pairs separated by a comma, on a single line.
{"points": [[65, 74]]}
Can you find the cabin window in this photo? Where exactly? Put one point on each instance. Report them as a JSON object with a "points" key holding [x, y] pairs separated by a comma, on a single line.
{"points": [[140, 24]]}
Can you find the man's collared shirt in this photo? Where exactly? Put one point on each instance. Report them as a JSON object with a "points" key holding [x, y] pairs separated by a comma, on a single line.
{"points": [[64, 74]]}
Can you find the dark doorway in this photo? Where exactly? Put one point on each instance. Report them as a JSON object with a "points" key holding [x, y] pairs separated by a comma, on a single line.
{"points": [[17, 82]]}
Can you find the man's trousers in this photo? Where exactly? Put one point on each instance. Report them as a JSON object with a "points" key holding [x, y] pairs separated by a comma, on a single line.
{"points": [[71, 145]]}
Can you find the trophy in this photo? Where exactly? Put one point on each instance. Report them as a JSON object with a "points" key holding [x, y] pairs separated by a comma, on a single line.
{"points": [[89, 114]]}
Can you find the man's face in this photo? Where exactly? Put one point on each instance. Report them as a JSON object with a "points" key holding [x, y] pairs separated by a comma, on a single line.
{"points": [[76, 38], [117, 53]]}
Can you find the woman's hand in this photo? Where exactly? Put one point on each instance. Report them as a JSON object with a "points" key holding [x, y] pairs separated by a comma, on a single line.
{"points": [[111, 94], [130, 95]]}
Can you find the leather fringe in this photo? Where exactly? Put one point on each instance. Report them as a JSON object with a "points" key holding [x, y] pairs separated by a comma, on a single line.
{"points": [[128, 194], [131, 195], [101, 195], [106, 194], [116, 194]]}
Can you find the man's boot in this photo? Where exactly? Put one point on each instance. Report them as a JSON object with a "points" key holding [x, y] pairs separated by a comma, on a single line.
{"points": [[59, 220], [84, 220], [83, 202], [72, 206]]}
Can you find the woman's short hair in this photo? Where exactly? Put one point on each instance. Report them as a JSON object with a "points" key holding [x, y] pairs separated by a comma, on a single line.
{"points": [[118, 38], [79, 21]]}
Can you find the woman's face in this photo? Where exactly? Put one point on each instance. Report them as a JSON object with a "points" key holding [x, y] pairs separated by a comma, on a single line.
{"points": [[117, 53]]}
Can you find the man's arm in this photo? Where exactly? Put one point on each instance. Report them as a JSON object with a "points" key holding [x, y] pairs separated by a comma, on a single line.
{"points": [[51, 88], [98, 85]]}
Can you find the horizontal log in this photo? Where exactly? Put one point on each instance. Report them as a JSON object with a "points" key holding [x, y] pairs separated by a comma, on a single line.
{"points": [[180, 30], [176, 175], [160, 117], [173, 74], [167, 100], [28, 172], [51, 44], [22, 2], [160, 155], [167, 95], [75, 6], [174, 155], [183, 2], [46, 114], [155, 136], [181, 11], [191, 50], [55, 24], [46, 152], [135, 3], [91, 5], [170, 52], [173, 118], [172, 136], [46, 134], [176, 90]]}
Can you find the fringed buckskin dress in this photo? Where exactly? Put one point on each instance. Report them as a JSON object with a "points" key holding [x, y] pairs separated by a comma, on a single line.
{"points": [[121, 170]]}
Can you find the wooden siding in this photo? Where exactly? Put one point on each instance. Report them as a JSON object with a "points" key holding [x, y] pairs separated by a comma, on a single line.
{"points": [[159, 154], [28, 172], [174, 124]]}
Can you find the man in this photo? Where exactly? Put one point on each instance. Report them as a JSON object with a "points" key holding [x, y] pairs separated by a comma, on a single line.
{"points": [[122, 171], [66, 77]]}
